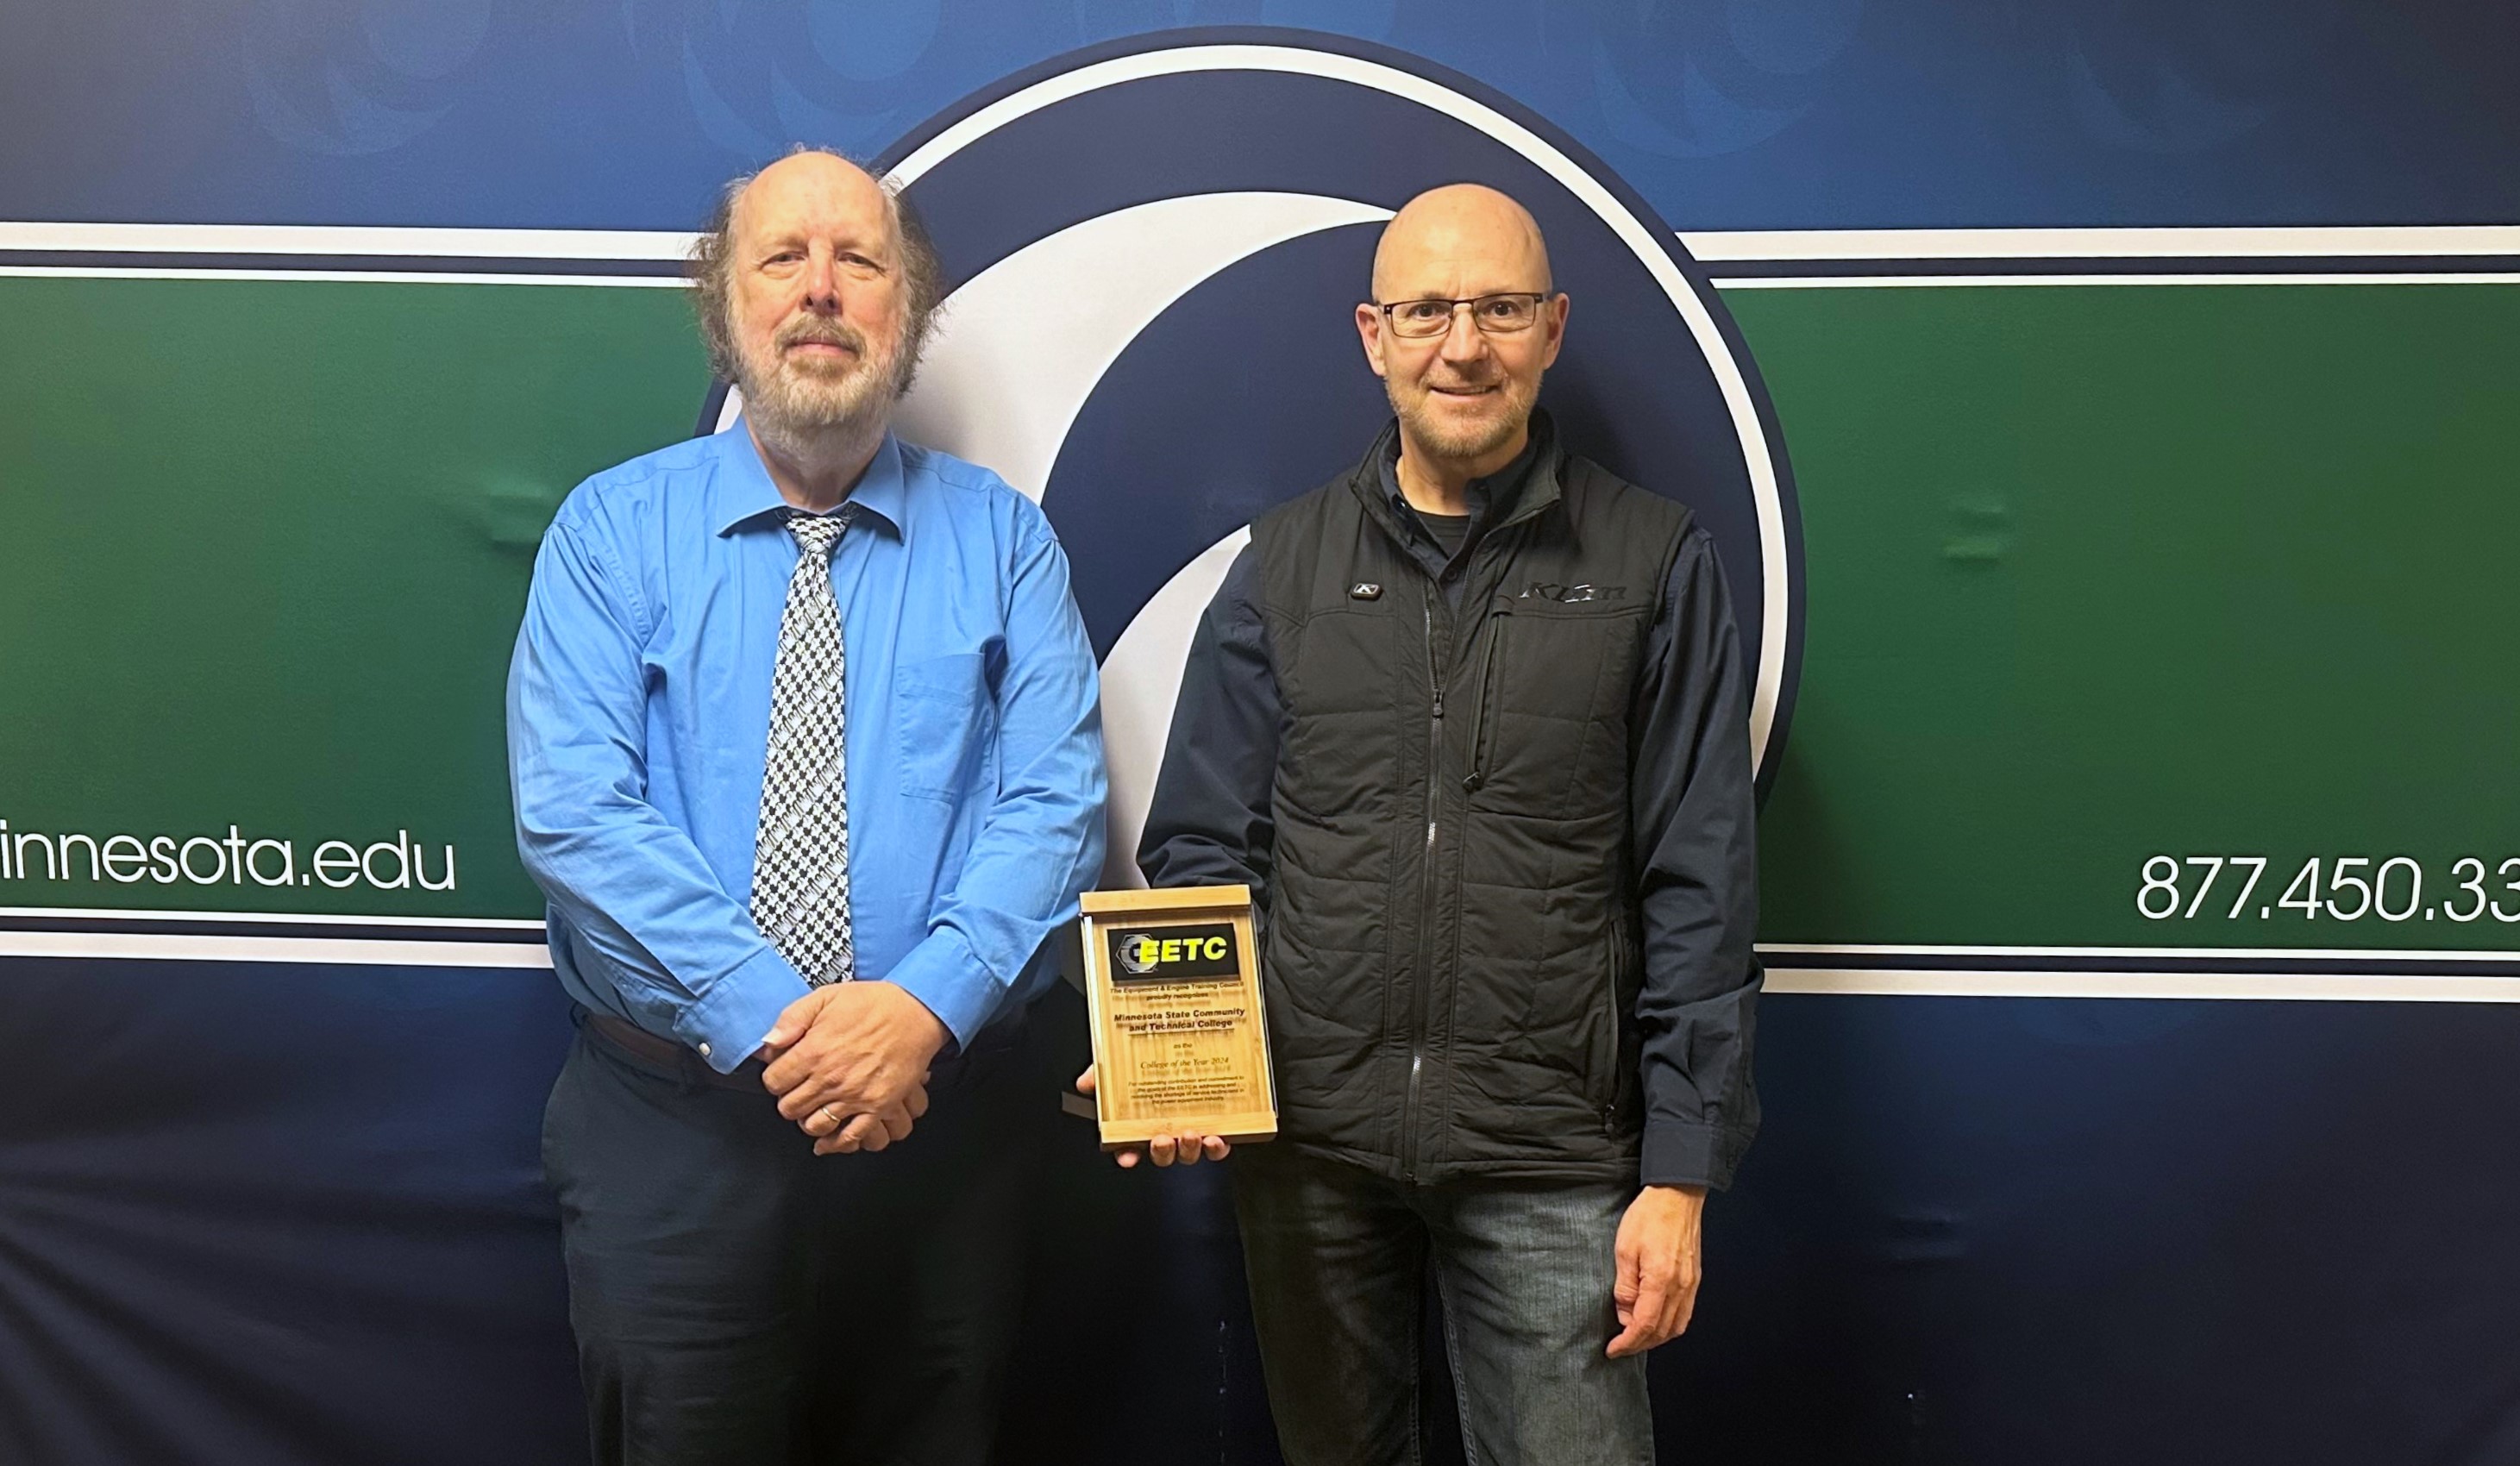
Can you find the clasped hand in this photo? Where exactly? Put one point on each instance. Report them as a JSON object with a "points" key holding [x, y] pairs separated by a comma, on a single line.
{"points": [[849, 1063]]}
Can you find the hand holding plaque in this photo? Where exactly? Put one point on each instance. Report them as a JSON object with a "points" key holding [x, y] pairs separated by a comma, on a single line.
{"points": [[1180, 1043], [1187, 1148]]}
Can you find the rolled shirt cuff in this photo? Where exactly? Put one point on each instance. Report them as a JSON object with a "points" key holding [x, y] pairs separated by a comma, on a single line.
{"points": [[726, 1025]]}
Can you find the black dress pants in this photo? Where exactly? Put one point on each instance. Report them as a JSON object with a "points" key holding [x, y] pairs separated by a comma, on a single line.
{"points": [[739, 1299]]}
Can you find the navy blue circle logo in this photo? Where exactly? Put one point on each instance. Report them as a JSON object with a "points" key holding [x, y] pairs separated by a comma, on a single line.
{"points": [[1152, 251]]}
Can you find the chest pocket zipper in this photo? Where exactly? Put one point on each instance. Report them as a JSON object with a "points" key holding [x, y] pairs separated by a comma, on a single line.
{"points": [[1478, 775]]}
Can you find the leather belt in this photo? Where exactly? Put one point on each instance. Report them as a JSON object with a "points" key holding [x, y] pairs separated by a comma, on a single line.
{"points": [[664, 1053]]}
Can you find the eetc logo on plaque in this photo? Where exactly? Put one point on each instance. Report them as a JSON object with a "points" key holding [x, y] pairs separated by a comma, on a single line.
{"points": [[1171, 953]]}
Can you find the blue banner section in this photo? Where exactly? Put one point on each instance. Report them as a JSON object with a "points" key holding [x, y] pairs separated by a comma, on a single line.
{"points": [[1723, 114], [280, 1215], [2084, 1233], [284, 1215]]}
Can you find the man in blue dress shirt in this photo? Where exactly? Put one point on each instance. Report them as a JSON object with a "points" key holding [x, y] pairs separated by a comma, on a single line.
{"points": [[803, 734]]}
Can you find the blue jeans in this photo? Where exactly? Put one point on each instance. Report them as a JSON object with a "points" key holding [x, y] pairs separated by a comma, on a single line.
{"points": [[1338, 1260]]}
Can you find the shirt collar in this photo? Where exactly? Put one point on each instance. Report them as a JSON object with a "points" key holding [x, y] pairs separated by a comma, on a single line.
{"points": [[743, 490], [1492, 497]]}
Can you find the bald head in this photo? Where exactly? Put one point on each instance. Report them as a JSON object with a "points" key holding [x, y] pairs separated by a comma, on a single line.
{"points": [[820, 183], [1462, 240], [1464, 321]]}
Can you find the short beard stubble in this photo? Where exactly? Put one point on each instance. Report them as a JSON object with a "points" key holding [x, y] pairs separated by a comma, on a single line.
{"points": [[1456, 444]]}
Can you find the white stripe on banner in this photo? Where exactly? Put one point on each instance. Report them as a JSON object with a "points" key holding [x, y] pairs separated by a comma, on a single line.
{"points": [[353, 950], [336, 240], [289, 918], [1765, 246], [1793, 968], [522, 949], [362, 277], [2018, 972], [2332, 987], [2309, 954], [1876, 282], [1710, 246], [1761, 283]]}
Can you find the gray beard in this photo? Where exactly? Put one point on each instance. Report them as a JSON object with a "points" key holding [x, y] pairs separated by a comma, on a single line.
{"points": [[803, 419]]}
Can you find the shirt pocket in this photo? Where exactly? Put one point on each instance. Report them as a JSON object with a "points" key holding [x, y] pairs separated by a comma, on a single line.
{"points": [[943, 716]]}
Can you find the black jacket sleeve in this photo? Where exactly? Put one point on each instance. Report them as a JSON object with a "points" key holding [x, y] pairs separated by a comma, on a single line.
{"points": [[1209, 820], [1695, 819]]}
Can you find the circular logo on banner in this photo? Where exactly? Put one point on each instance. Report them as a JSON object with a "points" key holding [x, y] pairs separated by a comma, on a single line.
{"points": [[1154, 252]]}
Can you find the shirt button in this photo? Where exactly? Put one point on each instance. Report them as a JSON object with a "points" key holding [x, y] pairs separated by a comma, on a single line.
{"points": [[704, 1051]]}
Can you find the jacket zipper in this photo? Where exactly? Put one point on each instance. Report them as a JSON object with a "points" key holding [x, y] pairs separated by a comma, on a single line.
{"points": [[1409, 1110], [1418, 1044]]}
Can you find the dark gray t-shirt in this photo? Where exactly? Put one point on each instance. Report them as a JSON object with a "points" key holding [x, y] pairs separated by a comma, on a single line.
{"points": [[1449, 530]]}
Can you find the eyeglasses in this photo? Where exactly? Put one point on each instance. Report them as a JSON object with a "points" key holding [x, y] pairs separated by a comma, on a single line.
{"points": [[1495, 314]]}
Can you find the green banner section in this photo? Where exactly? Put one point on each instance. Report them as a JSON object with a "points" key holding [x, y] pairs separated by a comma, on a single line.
{"points": [[264, 546], [2100, 575], [2138, 615]]}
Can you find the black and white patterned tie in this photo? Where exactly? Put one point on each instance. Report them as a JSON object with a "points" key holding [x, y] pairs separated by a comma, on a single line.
{"points": [[800, 853]]}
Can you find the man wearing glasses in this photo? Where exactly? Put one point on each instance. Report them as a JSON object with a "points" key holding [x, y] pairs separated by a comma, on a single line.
{"points": [[1474, 720]]}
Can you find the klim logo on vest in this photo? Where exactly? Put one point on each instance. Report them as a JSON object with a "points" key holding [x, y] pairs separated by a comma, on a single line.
{"points": [[1154, 253], [1576, 595]]}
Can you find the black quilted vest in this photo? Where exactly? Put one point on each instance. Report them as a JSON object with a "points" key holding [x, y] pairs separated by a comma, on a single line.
{"points": [[1451, 949]]}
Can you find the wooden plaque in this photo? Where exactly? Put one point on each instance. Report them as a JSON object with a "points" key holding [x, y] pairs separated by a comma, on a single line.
{"points": [[1173, 983]]}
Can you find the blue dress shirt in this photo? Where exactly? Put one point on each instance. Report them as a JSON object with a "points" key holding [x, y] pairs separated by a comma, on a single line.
{"points": [[639, 721]]}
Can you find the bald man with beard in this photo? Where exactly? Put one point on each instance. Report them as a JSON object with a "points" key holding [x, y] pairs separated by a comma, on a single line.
{"points": [[1473, 721]]}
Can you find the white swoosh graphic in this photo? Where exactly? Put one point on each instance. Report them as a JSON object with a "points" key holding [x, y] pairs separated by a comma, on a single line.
{"points": [[1140, 681], [1021, 351], [1025, 343]]}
